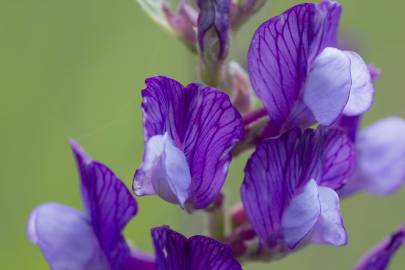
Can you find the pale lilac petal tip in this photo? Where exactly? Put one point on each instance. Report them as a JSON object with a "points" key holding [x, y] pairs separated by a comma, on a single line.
{"points": [[362, 88], [66, 238], [301, 215], [327, 87], [329, 229], [380, 159]]}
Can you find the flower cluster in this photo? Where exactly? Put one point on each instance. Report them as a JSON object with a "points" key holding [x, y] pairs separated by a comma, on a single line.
{"points": [[308, 151]]}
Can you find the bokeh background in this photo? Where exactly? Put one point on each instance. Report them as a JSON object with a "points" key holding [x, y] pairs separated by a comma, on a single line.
{"points": [[74, 69]]}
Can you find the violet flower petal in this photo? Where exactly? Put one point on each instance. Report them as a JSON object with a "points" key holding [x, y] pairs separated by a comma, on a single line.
{"points": [[349, 124], [176, 252], [282, 51], [338, 158], [380, 159], [207, 253], [201, 122], [66, 238], [329, 229], [380, 257], [327, 87], [109, 206], [139, 260], [362, 89]]}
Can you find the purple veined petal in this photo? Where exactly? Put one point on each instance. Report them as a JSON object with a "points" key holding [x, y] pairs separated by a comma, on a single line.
{"points": [[176, 252], [338, 158], [329, 229], [380, 257], [207, 253], [362, 89], [275, 173], [164, 172], [282, 51], [380, 159], [350, 125], [140, 260], [327, 87], [170, 249], [109, 206], [66, 238], [301, 215], [201, 122]]}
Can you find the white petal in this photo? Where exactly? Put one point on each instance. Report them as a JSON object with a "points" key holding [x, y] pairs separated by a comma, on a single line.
{"points": [[362, 90], [329, 228], [327, 88], [65, 238], [301, 215]]}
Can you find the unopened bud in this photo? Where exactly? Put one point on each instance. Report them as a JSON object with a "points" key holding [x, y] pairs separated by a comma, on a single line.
{"points": [[181, 22], [213, 38], [242, 92]]}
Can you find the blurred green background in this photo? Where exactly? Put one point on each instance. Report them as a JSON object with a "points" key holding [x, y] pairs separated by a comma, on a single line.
{"points": [[74, 69]]}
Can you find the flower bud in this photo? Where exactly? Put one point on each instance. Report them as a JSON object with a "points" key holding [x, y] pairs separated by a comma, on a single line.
{"points": [[181, 22], [213, 38], [242, 93]]}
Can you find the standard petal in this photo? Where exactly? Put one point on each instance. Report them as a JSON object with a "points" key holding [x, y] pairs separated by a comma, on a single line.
{"points": [[380, 257], [329, 229], [349, 124], [176, 252], [202, 123], [362, 89], [380, 159], [327, 87], [66, 238], [170, 249], [207, 253], [109, 206], [277, 171], [338, 157], [301, 215], [282, 51]]}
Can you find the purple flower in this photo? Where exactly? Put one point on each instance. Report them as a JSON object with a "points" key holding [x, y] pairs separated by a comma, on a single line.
{"points": [[176, 252], [300, 75], [380, 166], [70, 239], [379, 257], [288, 190], [189, 133]]}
